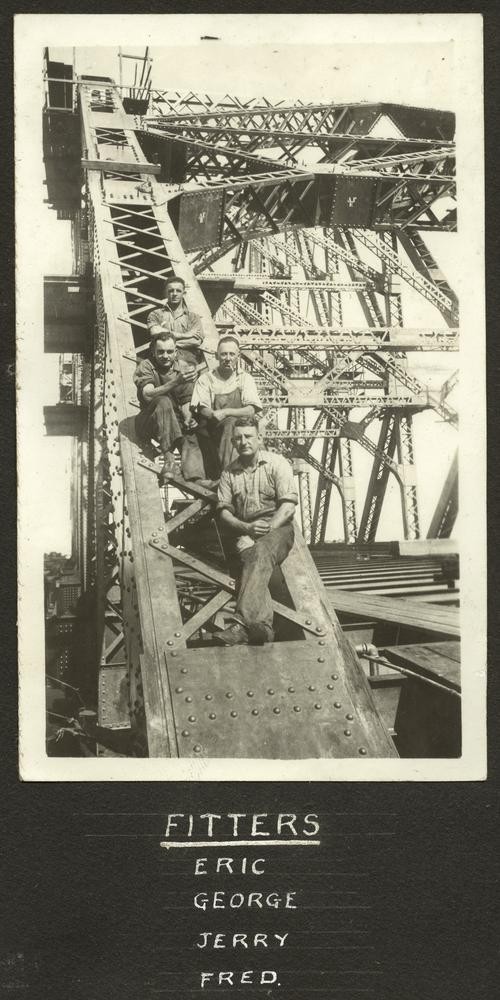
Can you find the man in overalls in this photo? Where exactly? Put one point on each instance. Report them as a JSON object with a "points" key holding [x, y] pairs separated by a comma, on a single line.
{"points": [[219, 397]]}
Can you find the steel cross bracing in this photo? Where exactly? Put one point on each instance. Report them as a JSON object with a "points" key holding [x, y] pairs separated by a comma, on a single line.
{"points": [[407, 180], [144, 616], [416, 393], [360, 118], [397, 372], [391, 153], [256, 204]]}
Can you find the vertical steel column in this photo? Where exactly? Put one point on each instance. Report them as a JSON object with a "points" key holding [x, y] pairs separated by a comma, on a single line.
{"points": [[379, 476], [446, 511], [408, 475]]}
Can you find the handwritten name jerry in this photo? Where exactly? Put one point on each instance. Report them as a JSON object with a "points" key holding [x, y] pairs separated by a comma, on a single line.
{"points": [[239, 830]]}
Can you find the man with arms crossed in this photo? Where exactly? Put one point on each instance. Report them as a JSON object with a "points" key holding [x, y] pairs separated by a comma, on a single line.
{"points": [[256, 500]]}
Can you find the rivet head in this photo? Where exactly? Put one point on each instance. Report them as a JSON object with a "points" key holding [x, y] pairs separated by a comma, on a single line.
{"points": [[170, 642], [188, 699], [321, 642], [173, 654], [321, 659], [330, 687], [334, 677], [179, 690], [177, 635], [291, 690], [363, 751], [185, 732], [229, 694], [317, 705], [320, 630], [212, 715], [296, 708], [311, 687], [270, 691], [250, 694], [347, 732], [349, 717], [308, 621], [184, 670], [208, 697], [191, 718], [276, 710], [234, 715], [197, 748], [255, 711], [337, 704]]}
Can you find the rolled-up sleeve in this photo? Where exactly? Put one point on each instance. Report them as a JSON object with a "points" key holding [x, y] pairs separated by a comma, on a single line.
{"points": [[195, 328], [284, 481], [225, 493], [202, 395], [155, 318], [249, 392], [144, 375]]}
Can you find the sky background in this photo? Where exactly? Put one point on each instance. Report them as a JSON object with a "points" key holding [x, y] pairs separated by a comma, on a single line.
{"points": [[282, 71]]}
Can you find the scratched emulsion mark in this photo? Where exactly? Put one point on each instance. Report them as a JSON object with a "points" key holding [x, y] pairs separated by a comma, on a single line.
{"points": [[18, 972]]}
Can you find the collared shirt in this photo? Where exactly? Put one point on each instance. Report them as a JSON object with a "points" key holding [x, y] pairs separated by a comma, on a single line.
{"points": [[246, 491], [180, 322], [148, 373], [210, 384]]}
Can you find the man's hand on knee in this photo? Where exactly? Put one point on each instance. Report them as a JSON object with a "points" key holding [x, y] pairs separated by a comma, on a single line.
{"points": [[258, 528]]}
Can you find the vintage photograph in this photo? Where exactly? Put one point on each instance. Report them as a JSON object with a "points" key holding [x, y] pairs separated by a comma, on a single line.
{"points": [[253, 360]]}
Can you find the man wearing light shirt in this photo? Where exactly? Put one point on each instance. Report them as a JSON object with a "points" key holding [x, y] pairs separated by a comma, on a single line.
{"points": [[257, 499], [219, 397]]}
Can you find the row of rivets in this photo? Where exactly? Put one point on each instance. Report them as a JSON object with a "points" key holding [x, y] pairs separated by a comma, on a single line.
{"points": [[251, 694], [197, 748], [277, 711]]}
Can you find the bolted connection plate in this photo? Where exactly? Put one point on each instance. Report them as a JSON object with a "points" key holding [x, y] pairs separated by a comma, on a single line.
{"points": [[285, 700]]}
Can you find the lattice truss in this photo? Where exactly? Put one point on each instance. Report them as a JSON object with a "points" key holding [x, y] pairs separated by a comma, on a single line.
{"points": [[319, 308], [282, 261]]}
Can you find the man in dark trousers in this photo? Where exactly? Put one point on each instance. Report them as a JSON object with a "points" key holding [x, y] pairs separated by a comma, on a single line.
{"points": [[187, 331], [257, 500], [164, 386]]}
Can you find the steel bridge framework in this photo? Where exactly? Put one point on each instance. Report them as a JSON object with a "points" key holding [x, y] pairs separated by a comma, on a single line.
{"points": [[272, 249]]}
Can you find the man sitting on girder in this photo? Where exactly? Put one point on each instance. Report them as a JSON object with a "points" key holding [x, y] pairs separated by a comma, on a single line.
{"points": [[256, 500], [164, 384], [186, 328], [220, 397]]}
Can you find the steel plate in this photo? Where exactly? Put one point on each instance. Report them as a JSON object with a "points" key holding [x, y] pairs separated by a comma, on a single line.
{"points": [[282, 701]]}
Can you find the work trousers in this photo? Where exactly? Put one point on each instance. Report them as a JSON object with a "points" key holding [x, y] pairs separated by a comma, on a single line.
{"points": [[216, 446], [254, 602], [161, 420]]}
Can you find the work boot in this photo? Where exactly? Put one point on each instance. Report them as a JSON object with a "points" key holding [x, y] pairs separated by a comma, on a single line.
{"points": [[169, 467], [259, 633], [235, 635]]}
